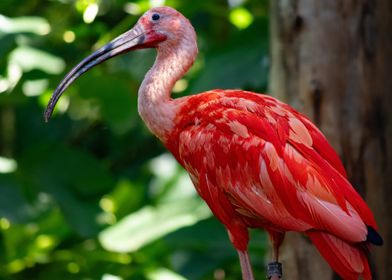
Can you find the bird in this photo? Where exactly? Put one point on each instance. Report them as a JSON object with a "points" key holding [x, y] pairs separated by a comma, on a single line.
{"points": [[255, 161]]}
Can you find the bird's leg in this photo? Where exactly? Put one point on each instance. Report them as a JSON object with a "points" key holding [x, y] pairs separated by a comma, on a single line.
{"points": [[246, 268], [274, 268]]}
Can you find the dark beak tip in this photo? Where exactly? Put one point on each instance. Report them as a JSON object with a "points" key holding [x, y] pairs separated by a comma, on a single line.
{"points": [[47, 115]]}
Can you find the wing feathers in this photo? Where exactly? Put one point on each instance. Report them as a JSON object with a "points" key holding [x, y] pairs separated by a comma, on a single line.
{"points": [[349, 261], [248, 142]]}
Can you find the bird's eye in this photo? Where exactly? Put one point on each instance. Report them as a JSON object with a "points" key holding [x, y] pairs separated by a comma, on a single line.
{"points": [[155, 17]]}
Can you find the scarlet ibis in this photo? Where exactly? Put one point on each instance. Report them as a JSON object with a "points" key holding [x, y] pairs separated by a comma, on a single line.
{"points": [[257, 162]]}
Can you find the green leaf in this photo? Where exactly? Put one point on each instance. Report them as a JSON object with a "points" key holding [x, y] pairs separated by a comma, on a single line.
{"points": [[36, 25], [236, 67], [164, 274], [77, 171], [151, 223], [13, 205], [205, 246], [74, 179], [116, 101], [28, 59], [241, 17]]}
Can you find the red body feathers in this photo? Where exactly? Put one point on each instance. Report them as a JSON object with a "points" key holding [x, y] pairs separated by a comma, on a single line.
{"points": [[259, 163]]}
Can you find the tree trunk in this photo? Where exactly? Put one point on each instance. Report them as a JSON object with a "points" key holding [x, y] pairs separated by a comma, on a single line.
{"points": [[332, 60]]}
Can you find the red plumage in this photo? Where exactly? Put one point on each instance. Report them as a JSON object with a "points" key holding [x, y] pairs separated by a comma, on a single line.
{"points": [[347, 259], [259, 163]]}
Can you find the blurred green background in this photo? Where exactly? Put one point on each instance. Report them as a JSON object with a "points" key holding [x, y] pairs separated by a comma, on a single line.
{"points": [[92, 194]]}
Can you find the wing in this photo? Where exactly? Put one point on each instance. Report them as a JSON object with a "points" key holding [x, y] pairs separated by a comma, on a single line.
{"points": [[271, 161]]}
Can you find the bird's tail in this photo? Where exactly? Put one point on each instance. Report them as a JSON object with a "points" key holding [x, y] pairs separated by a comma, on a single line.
{"points": [[348, 260]]}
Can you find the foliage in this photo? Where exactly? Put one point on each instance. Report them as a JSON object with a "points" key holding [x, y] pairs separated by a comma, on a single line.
{"points": [[92, 195]]}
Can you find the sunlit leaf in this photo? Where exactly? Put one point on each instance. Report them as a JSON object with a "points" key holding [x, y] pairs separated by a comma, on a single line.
{"points": [[132, 8], [241, 17], [35, 87], [7, 165], [111, 277], [37, 25], [69, 36], [171, 182], [90, 12], [164, 274], [29, 59], [151, 223]]}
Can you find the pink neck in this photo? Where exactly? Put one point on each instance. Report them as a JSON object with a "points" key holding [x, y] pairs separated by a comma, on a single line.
{"points": [[155, 105]]}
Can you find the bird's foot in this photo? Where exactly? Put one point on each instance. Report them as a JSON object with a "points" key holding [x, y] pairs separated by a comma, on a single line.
{"points": [[274, 271]]}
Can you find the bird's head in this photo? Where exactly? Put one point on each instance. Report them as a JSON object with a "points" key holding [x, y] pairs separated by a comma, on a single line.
{"points": [[163, 28]]}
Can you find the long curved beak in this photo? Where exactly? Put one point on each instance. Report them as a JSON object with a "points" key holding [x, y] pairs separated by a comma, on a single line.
{"points": [[133, 39]]}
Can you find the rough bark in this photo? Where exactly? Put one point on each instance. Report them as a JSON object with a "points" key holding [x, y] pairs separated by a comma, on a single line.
{"points": [[332, 60]]}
